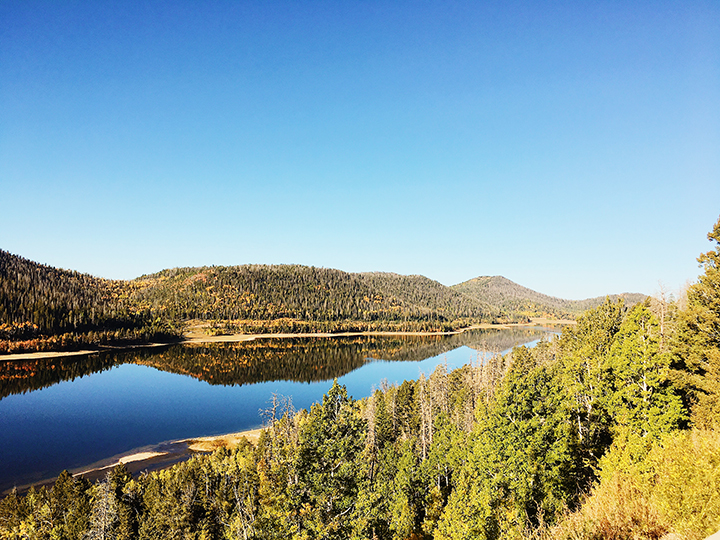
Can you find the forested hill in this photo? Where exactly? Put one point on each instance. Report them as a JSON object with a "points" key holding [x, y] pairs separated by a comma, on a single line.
{"points": [[44, 308], [39, 298], [303, 293], [421, 291], [508, 297]]}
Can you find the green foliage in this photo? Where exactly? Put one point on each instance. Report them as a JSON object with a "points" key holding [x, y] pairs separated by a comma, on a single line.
{"points": [[643, 402], [585, 374], [331, 438], [698, 340], [521, 468]]}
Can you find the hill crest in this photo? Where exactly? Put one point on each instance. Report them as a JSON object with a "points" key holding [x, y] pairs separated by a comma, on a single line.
{"points": [[508, 296]]}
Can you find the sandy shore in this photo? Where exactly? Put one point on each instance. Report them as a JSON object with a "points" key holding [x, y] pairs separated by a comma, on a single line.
{"points": [[56, 354], [195, 336], [230, 440], [153, 458], [170, 452]]}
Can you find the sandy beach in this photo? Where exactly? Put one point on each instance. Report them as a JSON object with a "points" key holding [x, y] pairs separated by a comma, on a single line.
{"points": [[153, 458], [167, 453]]}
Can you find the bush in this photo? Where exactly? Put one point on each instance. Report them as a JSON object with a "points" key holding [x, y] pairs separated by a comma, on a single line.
{"points": [[673, 489]]}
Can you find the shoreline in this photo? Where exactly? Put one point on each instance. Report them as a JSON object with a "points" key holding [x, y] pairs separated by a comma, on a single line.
{"points": [[168, 453], [150, 458], [192, 338]]}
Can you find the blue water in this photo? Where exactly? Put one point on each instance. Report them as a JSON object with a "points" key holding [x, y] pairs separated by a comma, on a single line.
{"points": [[75, 423]]}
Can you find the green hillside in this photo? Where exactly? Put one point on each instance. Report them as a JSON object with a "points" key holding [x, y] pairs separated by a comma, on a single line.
{"points": [[510, 298], [428, 294], [303, 293]]}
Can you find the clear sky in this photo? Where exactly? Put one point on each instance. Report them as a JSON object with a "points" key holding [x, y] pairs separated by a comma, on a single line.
{"points": [[573, 147]]}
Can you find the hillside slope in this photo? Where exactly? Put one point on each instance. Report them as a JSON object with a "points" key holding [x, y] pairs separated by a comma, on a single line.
{"points": [[304, 293], [426, 293], [44, 308], [38, 298], [510, 298]]}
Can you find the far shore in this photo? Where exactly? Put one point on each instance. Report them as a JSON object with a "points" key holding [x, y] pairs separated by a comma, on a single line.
{"points": [[153, 458], [195, 336]]}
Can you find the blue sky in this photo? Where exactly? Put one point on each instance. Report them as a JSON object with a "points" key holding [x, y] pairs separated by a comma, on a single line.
{"points": [[573, 147]]}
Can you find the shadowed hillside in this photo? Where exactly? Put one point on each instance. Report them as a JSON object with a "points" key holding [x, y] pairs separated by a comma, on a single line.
{"points": [[45, 308]]}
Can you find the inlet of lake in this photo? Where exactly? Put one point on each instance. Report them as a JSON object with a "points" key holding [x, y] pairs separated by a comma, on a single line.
{"points": [[68, 412]]}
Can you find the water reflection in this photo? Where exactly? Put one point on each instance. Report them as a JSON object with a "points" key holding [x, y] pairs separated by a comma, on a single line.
{"points": [[261, 360]]}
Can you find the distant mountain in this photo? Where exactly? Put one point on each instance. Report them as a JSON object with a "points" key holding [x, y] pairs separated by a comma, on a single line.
{"points": [[510, 298], [425, 293]]}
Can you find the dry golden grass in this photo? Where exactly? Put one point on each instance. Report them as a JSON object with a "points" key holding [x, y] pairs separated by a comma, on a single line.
{"points": [[674, 493], [210, 444], [616, 510]]}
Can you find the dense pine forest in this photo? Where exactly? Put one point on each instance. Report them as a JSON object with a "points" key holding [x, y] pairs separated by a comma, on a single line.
{"points": [[44, 308], [307, 298], [609, 430]]}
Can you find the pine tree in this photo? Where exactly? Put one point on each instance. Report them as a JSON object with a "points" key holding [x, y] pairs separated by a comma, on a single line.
{"points": [[330, 442], [698, 348], [643, 402]]}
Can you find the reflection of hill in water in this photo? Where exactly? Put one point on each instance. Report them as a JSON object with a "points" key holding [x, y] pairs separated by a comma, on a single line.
{"points": [[299, 360], [21, 376], [490, 341]]}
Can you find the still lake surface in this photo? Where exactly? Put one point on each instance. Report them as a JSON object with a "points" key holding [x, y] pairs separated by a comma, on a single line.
{"points": [[66, 413]]}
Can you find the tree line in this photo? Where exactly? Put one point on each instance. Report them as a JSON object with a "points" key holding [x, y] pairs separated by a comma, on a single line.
{"points": [[44, 308]]}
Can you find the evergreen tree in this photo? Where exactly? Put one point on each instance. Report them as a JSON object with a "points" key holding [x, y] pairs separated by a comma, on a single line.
{"points": [[698, 346], [586, 378], [331, 440], [643, 402], [522, 464]]}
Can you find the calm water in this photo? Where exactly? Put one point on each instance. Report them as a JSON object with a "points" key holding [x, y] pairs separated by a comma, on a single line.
{"points": [[66, 413]]}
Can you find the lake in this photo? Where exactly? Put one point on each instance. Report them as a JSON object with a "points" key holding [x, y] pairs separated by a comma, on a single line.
{"points": [[65, 413]]}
